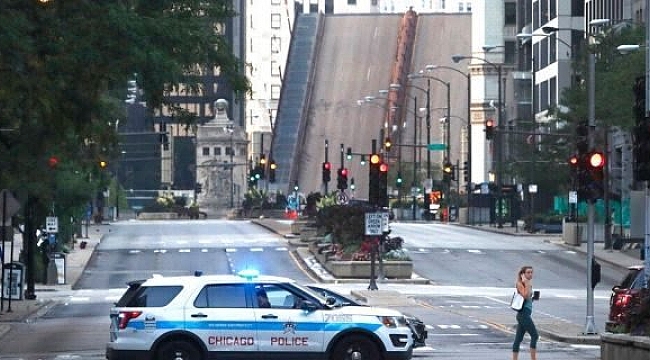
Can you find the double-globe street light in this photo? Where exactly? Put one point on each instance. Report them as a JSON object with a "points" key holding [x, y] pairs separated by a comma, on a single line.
{"points": [[498, 142]]}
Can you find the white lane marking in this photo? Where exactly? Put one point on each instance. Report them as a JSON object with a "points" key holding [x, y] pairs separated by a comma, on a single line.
{"points": [[257, 249], [231, 250], [184, 250], [474, 251]]}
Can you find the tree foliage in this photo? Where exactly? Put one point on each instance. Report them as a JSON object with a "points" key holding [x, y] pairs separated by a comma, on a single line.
{"points": [[65, 66]]}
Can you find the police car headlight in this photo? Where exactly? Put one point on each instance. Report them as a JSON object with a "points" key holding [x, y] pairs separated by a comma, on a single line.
{"points": [[393, 321]]}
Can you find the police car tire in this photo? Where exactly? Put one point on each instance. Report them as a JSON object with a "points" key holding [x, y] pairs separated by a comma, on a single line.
{"points": [[178, 350], [347, 347]]}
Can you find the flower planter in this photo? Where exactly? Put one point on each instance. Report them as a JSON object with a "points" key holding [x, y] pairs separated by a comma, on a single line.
{"points": [[346, 269], [624, 346]]}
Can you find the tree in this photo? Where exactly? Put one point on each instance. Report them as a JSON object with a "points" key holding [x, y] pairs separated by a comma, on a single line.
{"points": [[65, 66]]}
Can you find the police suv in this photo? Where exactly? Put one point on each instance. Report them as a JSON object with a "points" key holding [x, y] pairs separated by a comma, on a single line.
{"points": [[248, 317]]}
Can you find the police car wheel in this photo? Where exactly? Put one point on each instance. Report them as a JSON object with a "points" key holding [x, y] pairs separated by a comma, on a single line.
{"points": [[178, 350], [355, 348]]}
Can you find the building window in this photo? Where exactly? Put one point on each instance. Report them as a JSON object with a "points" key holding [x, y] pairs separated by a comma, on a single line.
{"points": [[510, 13], [275, 92], [442, 4], [352, 2], [275, 21], [230, 151], [217, 151], [510, 52], [275, 68], [468, 6], [460, 7], [276, 45], [206, 151], [553, 92]]}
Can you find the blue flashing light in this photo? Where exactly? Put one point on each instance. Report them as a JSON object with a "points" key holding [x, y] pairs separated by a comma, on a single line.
{"points": [[248, 274]]}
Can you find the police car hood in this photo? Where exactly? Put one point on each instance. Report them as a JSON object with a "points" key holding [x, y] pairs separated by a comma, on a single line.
{"points": [[367, 310]]}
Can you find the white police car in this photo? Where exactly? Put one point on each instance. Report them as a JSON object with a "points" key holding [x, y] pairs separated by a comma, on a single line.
{"points": [[248, 317]]}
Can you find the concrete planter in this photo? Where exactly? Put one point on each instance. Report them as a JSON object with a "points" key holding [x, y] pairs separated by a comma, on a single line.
{"points": [[624, 346], [361, 269], [347, 269], [158, 216]]}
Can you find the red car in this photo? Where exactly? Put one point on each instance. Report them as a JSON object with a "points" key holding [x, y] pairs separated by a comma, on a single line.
{"points": [[623, 297]]}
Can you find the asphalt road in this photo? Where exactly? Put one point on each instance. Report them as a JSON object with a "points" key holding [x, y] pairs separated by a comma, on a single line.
{"points": [[77, 328]]}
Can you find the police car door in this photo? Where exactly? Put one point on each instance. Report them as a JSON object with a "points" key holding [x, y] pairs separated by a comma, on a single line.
{"points": [[282, 326], [221, 316]]}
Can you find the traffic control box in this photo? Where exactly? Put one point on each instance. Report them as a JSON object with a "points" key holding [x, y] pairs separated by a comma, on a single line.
{"points": [[13, 280]]}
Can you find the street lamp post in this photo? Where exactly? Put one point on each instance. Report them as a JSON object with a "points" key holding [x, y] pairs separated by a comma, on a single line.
{"points": [[590, 326], [499, 139], [469, 131]]}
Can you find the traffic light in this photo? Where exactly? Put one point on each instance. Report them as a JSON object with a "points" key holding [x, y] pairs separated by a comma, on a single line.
{"points": [[641, 133], [489, 129], [466, 171], [352, 186], [582, 138], [261, 168], [272, 167], [52, 162], [327, 171], [198, 188], [295, 186], [399, 180], [103, 164], [377, 181], [387, 144], [342, 179], [348, 155], [447, 172], [382, 199], [595, 167]]}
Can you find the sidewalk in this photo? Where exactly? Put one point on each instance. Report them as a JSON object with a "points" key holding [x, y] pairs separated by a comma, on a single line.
{"points": [[548, 326], [76, 260]]}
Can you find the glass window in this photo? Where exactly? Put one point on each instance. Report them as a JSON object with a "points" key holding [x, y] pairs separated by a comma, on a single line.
{"points": [[217, 151], [229, 151], [276, 44], [552, 89], [552, 9], [510, 52], [275, 68], [206, 151], [275, 92], [275, 296], [149, 296], [468, 6], [275, 21], [510, 13], [536, 15], [221, 296]]}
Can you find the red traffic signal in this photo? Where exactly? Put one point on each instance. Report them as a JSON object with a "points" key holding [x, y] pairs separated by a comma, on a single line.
{"points": [[344, 172], [383, 167], [574, 161], [52, 162], [327, 165]]}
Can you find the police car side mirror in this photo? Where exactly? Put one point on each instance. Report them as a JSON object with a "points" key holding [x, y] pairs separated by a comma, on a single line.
{"points": [[330, 300]]}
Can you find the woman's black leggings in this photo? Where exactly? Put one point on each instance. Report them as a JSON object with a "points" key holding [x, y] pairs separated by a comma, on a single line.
{"points": [[525, 324]]}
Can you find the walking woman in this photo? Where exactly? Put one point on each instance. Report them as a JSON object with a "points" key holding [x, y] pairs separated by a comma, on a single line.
{"points": [[525, 323]]}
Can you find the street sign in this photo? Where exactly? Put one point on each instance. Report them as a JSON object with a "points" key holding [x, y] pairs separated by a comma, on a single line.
{"points": [[436, 147], [9, 203], [52, 224], [573, 197], [374, 223]]}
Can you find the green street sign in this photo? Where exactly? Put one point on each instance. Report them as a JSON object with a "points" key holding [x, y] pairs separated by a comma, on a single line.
{"points": [[436, 147]]}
